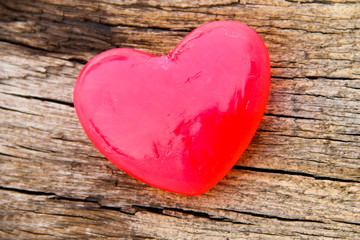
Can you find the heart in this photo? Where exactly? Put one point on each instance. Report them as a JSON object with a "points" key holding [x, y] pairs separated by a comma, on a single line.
{"points": [[178, 122]]}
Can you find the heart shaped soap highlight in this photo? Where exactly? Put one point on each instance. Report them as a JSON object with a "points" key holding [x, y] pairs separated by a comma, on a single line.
{"points": [[178, 122]]}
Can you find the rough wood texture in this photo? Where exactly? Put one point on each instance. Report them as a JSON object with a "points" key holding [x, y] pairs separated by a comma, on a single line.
{"points": [[299, 178]]}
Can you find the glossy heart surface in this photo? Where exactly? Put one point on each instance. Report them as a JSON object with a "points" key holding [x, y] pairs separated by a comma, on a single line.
{"points": [[178, 122]]}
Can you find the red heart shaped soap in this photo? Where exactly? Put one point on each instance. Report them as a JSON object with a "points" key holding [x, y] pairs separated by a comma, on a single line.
{"points": [[178, 122]]}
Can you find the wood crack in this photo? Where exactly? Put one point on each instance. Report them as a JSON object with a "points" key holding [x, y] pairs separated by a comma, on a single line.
{"points": [[273, 217], [329, 78], [156, 210], [7, 232], [44, 52], [205, 215], [318, 138], [351, 223], [318, 96], [35, 149], [69, 104], [18, 111], [22, 44], [291, 116], [29, 192], [277, 171], [9, 155], [318, 2], [118, 209]]}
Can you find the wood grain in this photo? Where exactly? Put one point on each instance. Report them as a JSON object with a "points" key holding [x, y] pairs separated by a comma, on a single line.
{"points": [[299, 178]]}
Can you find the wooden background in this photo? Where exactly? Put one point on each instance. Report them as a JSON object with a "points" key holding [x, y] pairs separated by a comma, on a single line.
{"points": [[299, 178]]}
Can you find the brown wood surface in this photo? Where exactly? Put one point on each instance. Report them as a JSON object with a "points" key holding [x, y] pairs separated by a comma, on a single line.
{"points": [[299, 178]]}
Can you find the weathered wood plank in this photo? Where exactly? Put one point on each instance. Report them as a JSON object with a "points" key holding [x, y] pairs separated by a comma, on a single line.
{"points": [[64, 217], [317, 138], [299, 178], [312, 40]]}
